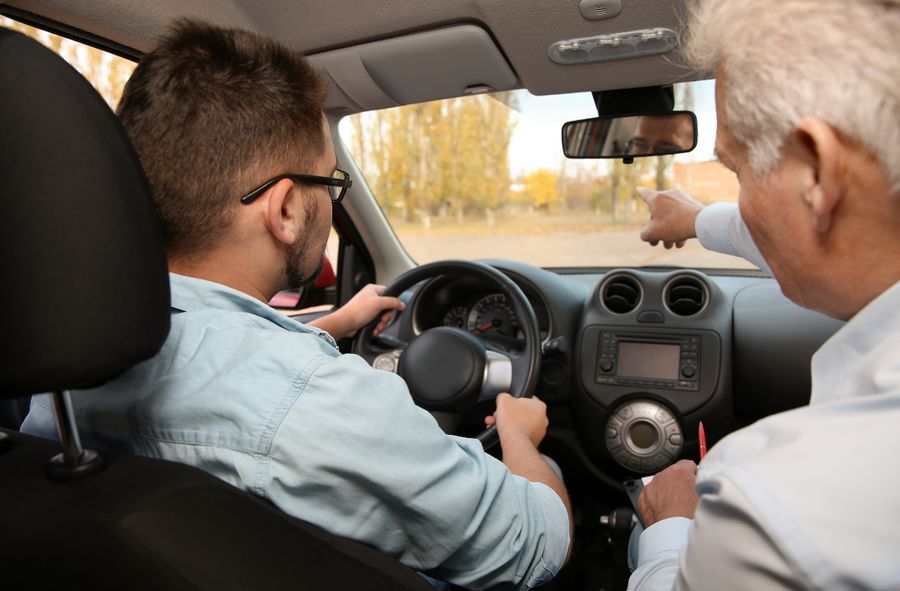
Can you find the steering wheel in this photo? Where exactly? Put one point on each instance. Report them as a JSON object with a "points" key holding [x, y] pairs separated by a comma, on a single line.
{"points": [[449, 369]]}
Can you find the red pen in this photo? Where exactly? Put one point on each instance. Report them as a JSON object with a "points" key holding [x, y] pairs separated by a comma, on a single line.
{"points": [[701, 435]]}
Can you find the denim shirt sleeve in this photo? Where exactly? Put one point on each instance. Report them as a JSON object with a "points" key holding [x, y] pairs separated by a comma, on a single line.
{"points": [[39, 420], [353, 454]]}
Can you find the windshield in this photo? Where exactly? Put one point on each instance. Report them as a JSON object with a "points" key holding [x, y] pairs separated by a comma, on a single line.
{"points": [[484, 176]]}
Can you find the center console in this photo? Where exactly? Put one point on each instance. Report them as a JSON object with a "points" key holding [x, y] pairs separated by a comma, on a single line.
{"points": [[646, 378]]}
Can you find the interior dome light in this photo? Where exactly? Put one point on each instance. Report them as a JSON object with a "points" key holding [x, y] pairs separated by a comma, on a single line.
{"points": [[613, 47]]}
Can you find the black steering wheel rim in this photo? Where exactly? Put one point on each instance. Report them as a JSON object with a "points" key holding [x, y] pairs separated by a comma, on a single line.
{"points": [[525, 365]]}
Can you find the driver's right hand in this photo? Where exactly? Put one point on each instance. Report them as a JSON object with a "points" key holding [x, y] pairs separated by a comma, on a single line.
{"points": [[519, 416]]}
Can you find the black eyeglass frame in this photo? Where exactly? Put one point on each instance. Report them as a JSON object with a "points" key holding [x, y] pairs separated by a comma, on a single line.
{"points": [[328, 181]]}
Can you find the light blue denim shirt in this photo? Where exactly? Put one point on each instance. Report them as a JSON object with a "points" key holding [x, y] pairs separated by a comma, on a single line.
{"points": [[271, 406]]}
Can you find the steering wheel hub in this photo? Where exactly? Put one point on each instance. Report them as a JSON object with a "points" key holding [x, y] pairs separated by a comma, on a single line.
{"points": [[444, 368]]}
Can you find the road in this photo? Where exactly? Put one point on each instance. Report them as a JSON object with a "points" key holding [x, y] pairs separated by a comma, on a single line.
{"points": [[566, 249]]}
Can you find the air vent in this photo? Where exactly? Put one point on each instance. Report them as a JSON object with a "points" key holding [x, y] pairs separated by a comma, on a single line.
{"points": [[621, 294], [685, 295]]}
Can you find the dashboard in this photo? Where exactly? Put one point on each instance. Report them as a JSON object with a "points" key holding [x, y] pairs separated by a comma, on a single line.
{"points": [[633, 359]]}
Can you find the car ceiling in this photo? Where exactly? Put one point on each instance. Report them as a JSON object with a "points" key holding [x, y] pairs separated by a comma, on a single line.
{"points": [[521, 30]]}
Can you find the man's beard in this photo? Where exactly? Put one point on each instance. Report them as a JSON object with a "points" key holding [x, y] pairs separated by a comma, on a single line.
{"points": [[295, 254], [294, 275]]}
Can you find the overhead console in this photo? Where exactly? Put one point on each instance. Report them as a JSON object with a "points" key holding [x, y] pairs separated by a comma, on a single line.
{"points": [[419, 67]]}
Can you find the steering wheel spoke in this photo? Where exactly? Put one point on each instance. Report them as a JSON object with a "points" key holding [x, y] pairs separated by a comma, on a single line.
{"points": [[389, 361], [498, 370]]}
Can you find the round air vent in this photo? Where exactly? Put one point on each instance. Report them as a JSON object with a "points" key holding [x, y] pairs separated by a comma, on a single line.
{"points": [[621, 294], [685, 295]]}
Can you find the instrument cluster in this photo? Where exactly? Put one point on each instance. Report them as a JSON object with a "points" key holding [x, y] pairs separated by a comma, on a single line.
{"points": [[468, 304], [491, 315]]}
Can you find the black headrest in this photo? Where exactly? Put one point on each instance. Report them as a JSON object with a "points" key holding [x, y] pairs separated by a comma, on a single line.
{"points": [[85, 290]]}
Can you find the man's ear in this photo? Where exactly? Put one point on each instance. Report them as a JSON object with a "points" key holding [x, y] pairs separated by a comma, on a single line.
{"points": [[282, 214], [823, 190]]}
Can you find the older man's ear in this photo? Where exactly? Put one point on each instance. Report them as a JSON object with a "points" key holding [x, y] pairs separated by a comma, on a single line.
{"points": [[822, 187]]}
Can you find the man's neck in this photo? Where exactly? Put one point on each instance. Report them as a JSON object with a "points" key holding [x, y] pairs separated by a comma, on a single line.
{"points": [[228, 274]]}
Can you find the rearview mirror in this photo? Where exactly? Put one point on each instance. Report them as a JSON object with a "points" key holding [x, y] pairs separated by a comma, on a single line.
{"points": [[627, 137]]}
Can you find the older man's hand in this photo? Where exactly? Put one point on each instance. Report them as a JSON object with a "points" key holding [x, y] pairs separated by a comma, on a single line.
{"points": [[672, 217], [671, 493]]}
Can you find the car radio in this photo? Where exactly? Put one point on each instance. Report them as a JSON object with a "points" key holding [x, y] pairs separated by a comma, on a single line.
{"points": [[656, 361]]}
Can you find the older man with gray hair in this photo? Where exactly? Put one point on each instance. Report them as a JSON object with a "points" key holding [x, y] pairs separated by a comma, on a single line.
{"points": [[808, 105]]}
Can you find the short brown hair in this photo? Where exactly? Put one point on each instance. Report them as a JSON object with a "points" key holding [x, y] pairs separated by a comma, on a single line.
{"points": [[213, 112]]}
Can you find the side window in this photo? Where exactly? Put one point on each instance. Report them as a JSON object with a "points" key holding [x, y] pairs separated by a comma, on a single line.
{"points": [[105, 71]]}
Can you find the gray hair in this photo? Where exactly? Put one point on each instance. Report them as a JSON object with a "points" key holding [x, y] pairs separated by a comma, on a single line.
{"points": [[838, 60]]}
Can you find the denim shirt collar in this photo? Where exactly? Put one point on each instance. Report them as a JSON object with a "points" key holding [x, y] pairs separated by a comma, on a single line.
{"points": [[193, 294]]}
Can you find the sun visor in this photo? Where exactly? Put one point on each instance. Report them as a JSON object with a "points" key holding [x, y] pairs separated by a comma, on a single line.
{"points": [[414, 68]]}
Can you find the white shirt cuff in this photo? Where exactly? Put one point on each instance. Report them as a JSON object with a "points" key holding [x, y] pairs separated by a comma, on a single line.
{"points": [[713, 227], [720, 228], [662, 538]]}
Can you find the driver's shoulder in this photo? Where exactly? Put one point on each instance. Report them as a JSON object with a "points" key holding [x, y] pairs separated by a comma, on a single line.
{"points": [[349, 378]]}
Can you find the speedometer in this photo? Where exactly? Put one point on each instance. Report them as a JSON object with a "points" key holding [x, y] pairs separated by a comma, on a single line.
{"points": [[492, 315], [456, 317]]}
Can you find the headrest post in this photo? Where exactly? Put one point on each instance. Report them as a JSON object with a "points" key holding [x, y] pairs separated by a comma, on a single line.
{"points": [[74, 461], [66, 427]]}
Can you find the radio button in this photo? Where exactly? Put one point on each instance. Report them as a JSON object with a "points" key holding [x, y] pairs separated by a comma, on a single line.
{"points": [[688, 371], [606, 365]]}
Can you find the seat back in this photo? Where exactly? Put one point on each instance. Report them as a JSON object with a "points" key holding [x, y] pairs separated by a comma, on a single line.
{"points": [[85, 297]]}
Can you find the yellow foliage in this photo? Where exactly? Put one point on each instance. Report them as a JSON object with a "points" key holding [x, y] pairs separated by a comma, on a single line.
{"points": [[434, 157], [541, 187]]}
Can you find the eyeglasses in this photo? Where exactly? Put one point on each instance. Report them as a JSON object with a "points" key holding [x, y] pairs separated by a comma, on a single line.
{"points": [[337, 184]]}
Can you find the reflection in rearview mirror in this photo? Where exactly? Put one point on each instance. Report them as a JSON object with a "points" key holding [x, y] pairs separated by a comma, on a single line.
{"points": [[635, 135]]}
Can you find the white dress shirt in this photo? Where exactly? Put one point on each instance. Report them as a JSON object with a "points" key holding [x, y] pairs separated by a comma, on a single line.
{"points": [[721, 228], [806, 499]]}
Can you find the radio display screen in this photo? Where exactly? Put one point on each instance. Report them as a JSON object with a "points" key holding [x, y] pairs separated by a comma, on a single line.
{"points": [[648, 360]]}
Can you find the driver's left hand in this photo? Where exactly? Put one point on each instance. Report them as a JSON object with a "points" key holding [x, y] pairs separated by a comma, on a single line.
{"points": [[362, 308]]}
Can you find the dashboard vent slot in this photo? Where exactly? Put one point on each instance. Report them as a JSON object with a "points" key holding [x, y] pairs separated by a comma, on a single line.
{"points": [[621, 294], [686, 295]]}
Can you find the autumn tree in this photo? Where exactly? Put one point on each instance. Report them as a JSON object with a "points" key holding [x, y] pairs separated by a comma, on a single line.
{"points": [[581, 184], [430, 158], [541, 187]]}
